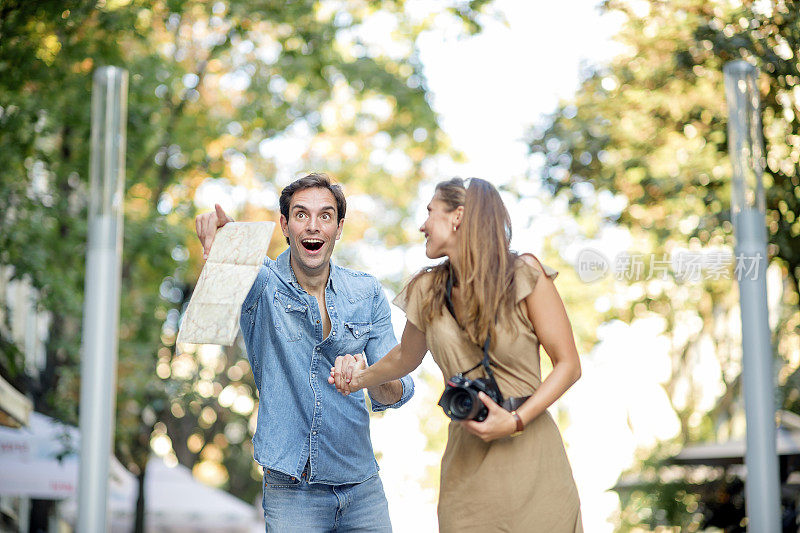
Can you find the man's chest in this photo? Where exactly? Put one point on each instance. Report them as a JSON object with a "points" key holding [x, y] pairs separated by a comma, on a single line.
{"points": [[337, 324]]}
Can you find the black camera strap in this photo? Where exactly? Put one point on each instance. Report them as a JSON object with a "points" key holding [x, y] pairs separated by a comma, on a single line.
{"points": [[486, 362]]}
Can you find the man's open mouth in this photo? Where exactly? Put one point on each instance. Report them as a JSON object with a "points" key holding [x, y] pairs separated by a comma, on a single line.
{"points": [[312, 245]]}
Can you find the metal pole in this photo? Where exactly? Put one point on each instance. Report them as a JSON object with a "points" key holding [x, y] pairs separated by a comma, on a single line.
{"points": [[102, 286], [745, 144]]}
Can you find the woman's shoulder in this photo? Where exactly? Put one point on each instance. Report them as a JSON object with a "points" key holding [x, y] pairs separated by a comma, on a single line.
{"points": [[413, 294], [528, 270], [421, 281], [527, 259]]}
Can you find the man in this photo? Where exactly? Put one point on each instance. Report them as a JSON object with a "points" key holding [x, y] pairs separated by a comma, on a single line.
{"points": [[302, 311]]}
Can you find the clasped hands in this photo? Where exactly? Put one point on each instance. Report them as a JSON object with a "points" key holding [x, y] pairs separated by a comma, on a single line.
{"points": [[347, 373]]}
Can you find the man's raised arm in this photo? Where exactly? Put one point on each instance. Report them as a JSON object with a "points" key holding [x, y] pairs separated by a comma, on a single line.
{"points": [[207, 225]]}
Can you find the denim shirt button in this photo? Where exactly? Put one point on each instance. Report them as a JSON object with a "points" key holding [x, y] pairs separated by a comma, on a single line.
{"points": [[313, 432], [333, 333]]}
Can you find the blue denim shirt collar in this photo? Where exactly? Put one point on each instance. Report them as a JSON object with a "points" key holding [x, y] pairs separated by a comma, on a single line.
{"points": [[284, 266]]}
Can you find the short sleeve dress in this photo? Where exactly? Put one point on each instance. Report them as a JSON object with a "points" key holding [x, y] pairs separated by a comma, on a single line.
{"points": [[519, 484]]}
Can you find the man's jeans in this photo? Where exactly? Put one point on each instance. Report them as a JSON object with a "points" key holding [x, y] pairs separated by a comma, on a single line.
{"points": [[293, 505]]}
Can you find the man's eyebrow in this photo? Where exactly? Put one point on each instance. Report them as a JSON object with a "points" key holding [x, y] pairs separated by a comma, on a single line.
{"points": [[304, 208]]}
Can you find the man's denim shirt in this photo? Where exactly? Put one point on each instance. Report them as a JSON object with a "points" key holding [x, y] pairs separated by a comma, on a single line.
{"points": [[300, 415]]}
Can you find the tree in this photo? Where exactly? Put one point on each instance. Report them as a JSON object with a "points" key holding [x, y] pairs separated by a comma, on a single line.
{"points": [[648, 131], [214, 89]]}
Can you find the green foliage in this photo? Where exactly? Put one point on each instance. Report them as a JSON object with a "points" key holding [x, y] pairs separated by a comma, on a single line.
{"points": [[649, 129], [209, 83]]}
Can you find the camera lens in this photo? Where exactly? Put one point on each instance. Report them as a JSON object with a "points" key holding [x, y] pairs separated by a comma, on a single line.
{"points": [[460, 400], [461, 404]]}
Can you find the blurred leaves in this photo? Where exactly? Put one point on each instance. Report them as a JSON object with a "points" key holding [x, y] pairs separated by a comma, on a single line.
{"points": [[643, 144], [218, 93]]}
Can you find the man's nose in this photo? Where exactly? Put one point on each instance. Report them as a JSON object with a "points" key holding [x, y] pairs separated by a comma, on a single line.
{"points": [[313, 224]]}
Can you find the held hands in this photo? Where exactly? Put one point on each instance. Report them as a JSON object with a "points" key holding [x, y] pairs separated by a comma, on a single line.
{"points": [[499, 423], [207, 225], [347, 372]]}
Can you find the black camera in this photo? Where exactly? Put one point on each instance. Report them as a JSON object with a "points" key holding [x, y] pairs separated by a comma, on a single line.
{"points": [[460, 398]]}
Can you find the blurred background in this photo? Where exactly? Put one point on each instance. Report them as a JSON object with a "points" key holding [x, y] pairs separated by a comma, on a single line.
{"points": [[604, 126]]}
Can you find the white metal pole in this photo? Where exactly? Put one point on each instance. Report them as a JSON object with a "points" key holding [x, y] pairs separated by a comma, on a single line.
{"points": [[101, 295], [745, 144]]}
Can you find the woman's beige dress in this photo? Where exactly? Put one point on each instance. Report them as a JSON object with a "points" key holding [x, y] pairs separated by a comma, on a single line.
{"points": [[517, 484]]}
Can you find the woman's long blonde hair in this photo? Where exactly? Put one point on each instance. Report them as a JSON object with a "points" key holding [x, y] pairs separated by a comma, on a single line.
{"points": [[484, 268]]}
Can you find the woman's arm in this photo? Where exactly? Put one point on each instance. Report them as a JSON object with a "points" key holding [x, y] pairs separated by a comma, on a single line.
{"points": [[546, 313], [350, 373], [551, 325]]}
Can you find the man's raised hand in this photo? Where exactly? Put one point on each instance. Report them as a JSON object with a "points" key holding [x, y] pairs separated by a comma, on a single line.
{"points": [[207, 225]]}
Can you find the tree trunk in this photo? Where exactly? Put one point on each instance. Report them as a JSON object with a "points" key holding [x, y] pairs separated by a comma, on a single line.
{"points": [[138, 524]]}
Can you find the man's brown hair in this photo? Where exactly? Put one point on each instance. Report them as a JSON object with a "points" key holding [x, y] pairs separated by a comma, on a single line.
{"points": [[315, 179]]}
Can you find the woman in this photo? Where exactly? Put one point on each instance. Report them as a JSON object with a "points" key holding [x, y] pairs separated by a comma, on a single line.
{"points": [[490, 480]]}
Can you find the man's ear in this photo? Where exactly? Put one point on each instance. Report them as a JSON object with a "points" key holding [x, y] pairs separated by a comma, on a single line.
{"points": [[284, 226], [339, 230]]}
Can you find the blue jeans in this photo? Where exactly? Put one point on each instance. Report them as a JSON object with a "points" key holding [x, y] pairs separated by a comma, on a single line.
{"points": [[293, 505]]}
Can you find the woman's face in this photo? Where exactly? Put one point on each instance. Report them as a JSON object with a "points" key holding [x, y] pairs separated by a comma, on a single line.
{"points": [[440, 229]]}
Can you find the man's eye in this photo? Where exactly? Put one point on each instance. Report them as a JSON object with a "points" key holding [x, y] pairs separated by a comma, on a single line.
{"points": [[325, 216], [301, 215]]}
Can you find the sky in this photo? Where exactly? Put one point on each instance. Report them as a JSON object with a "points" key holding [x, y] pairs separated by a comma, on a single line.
{"points": [[489, 89]]}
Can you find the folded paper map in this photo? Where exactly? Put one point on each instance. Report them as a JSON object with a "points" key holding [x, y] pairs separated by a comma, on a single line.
{"points": [[212, 316]]}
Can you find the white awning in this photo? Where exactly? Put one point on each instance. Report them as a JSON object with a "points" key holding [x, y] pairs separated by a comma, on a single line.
{"points": [[41, 461], [732, 452]]}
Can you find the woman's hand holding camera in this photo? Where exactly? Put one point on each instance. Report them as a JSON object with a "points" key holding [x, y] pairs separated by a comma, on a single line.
{"points": [[499, 423], [347, 371]]}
